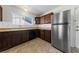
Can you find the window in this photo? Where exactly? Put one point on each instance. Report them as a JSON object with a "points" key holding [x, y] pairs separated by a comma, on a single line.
{"points": [[28, 19]]}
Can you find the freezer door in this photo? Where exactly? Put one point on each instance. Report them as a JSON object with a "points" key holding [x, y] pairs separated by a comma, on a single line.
{"points": [[59, 37], [66, 16], [56, 18], [61, 18]]}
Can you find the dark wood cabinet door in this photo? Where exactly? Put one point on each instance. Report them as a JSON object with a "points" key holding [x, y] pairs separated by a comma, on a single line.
{"points": [[5, 40], [42, 20], [1, 41], [24, 36], [48, 19], [37, 32], [37, 20], [48, 35], [45, 35], [32, 34], [16, 37], [42, 34]]}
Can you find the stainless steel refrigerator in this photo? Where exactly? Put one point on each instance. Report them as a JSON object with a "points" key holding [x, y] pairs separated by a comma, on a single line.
{"points": [[60, 31]]}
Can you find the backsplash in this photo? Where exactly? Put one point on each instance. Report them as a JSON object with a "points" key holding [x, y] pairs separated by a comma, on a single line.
{"points": [[11, 25], [45, 26]]}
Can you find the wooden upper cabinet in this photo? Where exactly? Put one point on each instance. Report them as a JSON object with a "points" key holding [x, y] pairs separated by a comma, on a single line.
{"points": [[42, 21], [46, 19], [0, 13], [37, 20]]}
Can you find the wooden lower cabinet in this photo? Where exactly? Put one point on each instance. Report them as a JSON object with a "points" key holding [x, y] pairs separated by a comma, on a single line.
{"points": [[32, 34], [42, 34], [45, 35], [5, 40], [13, 38], [48, 35], [24, 36]]}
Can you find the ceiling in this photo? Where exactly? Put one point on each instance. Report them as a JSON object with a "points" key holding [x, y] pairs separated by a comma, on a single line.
{"points": [[38, 9]]}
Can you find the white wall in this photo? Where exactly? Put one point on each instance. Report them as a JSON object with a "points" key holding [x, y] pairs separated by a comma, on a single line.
{"points": [[77, 28], [6, 14], [9, 11], [61, 8]]}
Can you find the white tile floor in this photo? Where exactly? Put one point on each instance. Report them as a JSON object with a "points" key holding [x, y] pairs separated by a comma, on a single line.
{"points": [[34, 46]]}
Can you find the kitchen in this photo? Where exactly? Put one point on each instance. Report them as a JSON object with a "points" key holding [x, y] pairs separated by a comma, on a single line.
{"points": [[27, 28]]}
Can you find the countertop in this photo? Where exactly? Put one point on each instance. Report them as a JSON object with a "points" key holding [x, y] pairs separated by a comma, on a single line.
{"points": [[17, 28]]}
